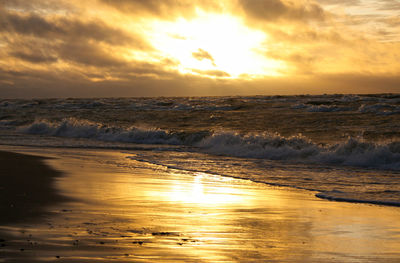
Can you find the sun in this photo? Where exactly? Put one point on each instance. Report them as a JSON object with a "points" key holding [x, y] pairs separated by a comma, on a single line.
{"points": [[214, 45]]}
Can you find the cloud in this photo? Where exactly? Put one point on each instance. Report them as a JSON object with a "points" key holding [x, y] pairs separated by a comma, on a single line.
{"points": [[35, 83], [340, 2], [27, 24], [88, 53], [391, 5], [265, 10], [392, 21], [39, 39], [39, 83], [307, 35], [165, 9], [34, 57], [66, 28], [202, 54], [56, 54], [273, 10], [38, 5], [213, 73]]}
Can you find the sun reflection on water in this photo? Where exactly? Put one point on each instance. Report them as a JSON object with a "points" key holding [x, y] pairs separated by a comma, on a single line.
{"points": [[202, 192]]}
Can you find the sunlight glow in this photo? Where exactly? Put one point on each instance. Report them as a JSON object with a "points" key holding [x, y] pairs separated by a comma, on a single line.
{"points": [[214, 45], [205, 194]]}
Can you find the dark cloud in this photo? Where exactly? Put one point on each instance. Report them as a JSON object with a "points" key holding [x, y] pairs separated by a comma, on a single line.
{"points": [[68, 84], [87, 53], [213, 73], [273, 10], [201, 54], [27, 24], [34, 57], [28, 49], [155, 7], [38, 5], [265, 10], [35, 38], [35, 83], [307, 36], [133, 70], [66, 28], [91, 49], [340, 2], [164, 8]]}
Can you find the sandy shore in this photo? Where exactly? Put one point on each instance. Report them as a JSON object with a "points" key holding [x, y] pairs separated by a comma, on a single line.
{"points": [[130, 211], [25, 187]]}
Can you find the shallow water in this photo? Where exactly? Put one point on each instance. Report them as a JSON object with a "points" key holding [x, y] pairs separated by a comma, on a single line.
{"points": [[134, 211]]}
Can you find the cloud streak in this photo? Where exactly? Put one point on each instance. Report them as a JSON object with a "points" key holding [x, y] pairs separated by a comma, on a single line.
{"points": [[279, 9]]}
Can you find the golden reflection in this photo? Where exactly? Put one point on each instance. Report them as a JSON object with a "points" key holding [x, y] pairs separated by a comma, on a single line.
{"points": [[202, 193], [128, 211]]}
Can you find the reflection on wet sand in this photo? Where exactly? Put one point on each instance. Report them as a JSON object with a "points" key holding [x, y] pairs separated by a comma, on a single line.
{"points": [[130, 211]]}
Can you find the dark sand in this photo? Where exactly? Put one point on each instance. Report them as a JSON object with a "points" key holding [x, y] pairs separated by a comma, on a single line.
{"points": [[26, 188]]}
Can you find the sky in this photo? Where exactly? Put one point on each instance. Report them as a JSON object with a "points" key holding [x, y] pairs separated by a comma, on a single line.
{"points": [[115, 48]]}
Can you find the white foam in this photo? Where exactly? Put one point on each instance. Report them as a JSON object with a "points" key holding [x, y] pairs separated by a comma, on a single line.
{"points": [[76, 128], [353, 152]]}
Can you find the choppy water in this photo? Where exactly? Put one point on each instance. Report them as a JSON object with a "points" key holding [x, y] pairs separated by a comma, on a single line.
{"points": [[346, 147]]}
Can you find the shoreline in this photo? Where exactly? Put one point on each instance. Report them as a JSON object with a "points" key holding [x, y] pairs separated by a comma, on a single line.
{"points": [[130, 211], [27, 187]]}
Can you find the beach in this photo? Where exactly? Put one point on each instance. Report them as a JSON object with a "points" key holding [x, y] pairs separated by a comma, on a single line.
{"points": [[100, 206], [200, 131], [26, 187]]}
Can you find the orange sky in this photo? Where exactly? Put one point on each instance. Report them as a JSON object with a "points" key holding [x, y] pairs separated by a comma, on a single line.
{"points": [[93, 48]]}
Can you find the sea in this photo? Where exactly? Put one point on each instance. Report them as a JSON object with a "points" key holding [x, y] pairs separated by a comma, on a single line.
{"points": [[341, 147]]}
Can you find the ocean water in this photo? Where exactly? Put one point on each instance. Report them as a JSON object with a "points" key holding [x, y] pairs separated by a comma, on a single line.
{"points": [[343, 147]]}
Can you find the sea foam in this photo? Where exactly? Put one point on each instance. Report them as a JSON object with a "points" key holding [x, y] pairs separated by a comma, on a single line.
{"points": [[352, 152], [298, 149], [77, 128]]}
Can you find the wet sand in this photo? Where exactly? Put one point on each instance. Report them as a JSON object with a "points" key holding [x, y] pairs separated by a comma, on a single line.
{"points": [[129, 211], [25, 187]]}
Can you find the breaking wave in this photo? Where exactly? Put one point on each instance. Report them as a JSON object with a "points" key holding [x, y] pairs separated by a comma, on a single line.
{"points": [[353, 152], [76, 128], [299, 149]]}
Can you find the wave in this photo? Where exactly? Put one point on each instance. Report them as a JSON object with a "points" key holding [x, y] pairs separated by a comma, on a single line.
{"points": [[76, 128], [378, 199], [320, 108], [353, 152], [379, 109], [298, 149]]}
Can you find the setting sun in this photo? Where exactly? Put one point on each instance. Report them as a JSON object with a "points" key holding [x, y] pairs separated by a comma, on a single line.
{"points": [[215, 46]]}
